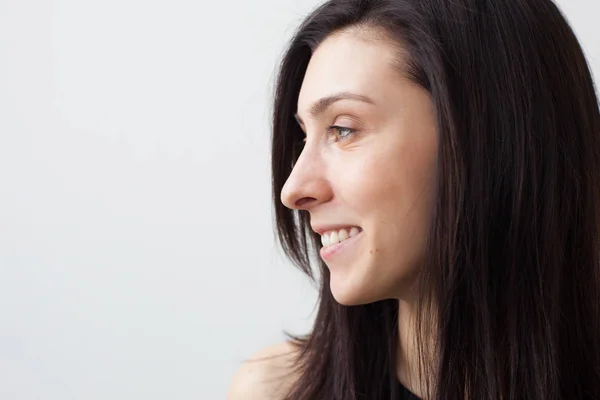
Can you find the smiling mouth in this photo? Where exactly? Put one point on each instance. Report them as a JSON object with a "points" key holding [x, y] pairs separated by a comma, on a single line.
{"points": [[333, 237], [328, 252]]}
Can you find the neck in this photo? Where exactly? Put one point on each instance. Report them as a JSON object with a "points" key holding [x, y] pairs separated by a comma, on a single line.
{"points": [[407, 356]]}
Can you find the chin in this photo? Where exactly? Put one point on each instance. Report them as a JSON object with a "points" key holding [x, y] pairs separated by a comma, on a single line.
{"points": [[348, 294]]}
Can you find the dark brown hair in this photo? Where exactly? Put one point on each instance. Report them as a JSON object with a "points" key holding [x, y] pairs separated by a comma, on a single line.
{"points": [[510, 289]]}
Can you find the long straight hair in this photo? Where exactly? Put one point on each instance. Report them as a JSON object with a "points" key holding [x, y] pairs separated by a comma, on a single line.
{"points": [[509, 295]]}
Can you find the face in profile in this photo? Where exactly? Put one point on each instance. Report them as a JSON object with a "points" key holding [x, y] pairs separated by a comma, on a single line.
{"points": [[367, 171]]}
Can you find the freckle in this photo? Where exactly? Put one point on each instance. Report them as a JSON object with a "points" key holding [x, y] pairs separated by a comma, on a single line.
{"points": [[376, 249]]}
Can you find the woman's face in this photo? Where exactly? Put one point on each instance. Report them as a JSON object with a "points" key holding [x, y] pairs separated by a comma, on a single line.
{"points": [[376, 172]]}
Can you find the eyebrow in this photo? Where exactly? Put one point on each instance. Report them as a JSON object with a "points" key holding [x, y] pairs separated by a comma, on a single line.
{"points": [[319, 106]]}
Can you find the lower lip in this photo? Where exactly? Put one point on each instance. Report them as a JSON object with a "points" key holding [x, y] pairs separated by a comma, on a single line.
{"points": [[330, 251]]}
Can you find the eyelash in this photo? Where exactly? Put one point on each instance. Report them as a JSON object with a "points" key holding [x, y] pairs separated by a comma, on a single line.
{"points": [[331, 128]]}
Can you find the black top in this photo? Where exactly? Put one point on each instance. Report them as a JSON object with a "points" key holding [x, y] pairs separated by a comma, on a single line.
{"points": [[405, 394]]}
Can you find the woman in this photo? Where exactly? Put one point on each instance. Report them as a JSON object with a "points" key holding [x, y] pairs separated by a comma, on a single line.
{"points": [[452, 148]]}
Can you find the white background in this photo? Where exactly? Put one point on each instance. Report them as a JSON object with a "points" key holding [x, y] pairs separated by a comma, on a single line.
{"points": [[137, 255]]}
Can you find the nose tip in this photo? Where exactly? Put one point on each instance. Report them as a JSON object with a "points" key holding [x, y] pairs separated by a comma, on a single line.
{"points": [[286, 197], [304, 195], [293, 199]]}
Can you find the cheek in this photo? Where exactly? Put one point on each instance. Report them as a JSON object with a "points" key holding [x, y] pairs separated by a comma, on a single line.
{"points": [[393, 194], [360, 187]]}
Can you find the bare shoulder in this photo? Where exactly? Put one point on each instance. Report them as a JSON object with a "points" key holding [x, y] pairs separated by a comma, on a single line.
{"points": [[267, 375]]}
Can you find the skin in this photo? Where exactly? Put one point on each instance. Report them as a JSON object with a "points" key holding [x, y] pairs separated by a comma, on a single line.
{"points": [[380, 178], [267, 375]]}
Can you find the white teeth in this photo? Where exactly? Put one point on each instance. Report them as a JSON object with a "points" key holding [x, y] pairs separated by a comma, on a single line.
{"points": [[335, 237], [343, 235]]}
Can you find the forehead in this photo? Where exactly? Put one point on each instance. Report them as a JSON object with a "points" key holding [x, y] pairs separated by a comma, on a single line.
{"points": [[350, 61]]}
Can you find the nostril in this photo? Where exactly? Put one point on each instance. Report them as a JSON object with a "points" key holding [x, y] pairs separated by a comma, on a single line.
{"points": [[304, 200]]}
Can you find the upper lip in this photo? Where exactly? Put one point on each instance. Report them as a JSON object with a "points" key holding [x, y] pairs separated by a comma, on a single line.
{"points": [[321, 229]]}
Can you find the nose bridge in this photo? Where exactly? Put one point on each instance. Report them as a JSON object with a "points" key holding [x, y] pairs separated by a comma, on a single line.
{"points": [[310, 159], [307, 182]]}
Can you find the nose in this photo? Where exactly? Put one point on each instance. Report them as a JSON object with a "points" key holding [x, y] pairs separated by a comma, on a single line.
{"points": [[307, 184]]}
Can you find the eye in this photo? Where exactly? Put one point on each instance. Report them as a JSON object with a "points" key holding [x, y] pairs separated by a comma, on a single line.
{"points": [[343, 132]]}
